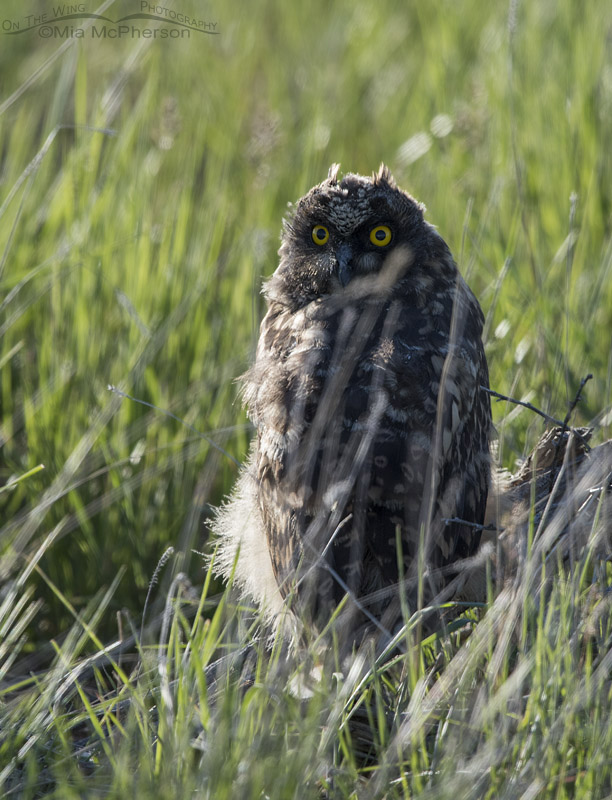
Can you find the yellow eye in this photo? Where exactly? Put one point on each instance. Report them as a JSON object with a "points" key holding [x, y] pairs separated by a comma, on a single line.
{"points": [[320, 234], [380, 235]]}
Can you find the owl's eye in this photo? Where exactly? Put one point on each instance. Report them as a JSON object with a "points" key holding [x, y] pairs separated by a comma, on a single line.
{"points": [[380, 235], [320, 234]]}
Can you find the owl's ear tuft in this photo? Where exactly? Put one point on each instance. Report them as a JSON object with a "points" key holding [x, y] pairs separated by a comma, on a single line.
{"points": [[332, 175], [384, 176]]}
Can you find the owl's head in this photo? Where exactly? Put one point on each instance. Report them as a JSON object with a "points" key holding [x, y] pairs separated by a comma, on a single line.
{"points": [[345, 229]]}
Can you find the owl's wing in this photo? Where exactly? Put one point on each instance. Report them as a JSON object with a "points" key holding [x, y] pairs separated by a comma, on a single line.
{"points": [[438, 378], [281, 391]]}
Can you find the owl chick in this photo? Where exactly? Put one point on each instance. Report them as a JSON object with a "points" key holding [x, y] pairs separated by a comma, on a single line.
{"points": [[372, 426]]}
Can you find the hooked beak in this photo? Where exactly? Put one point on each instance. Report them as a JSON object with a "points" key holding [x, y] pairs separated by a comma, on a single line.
{"points": [[344, 257]]}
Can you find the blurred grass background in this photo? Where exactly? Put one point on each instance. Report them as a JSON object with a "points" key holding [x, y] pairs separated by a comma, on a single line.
{"points": [[142, 187]]}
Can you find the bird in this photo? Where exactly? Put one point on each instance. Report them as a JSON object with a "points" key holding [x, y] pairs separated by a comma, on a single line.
{"points": [[366, 483]]}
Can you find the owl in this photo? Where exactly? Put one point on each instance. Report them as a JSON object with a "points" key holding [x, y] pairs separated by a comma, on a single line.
{"points": [[367, 393]]}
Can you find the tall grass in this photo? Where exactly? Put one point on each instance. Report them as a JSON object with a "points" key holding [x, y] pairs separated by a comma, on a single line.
{"points": [[142, 186]]}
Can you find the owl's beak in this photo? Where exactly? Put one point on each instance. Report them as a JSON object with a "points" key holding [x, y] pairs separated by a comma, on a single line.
{"points": [[344, 257]]}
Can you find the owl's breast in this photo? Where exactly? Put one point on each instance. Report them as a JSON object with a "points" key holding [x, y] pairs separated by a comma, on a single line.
{"points": [[334, 368]]}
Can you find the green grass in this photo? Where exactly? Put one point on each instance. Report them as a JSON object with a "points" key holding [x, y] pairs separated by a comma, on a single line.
{"points": [[142, 186]]}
